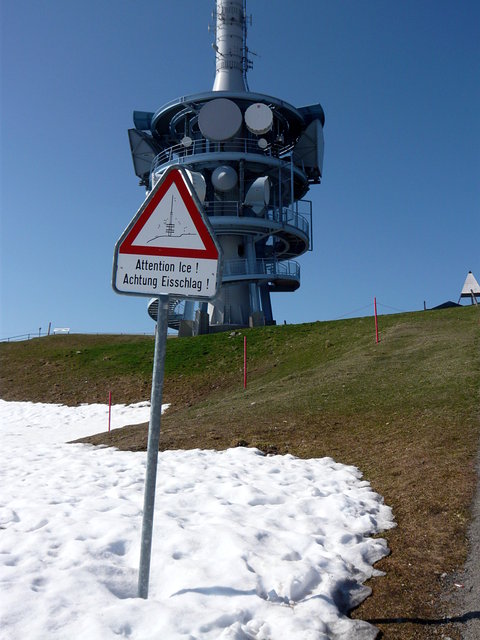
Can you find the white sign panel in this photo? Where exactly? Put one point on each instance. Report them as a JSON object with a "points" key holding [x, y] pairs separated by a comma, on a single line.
{"points": [[169, 247]]}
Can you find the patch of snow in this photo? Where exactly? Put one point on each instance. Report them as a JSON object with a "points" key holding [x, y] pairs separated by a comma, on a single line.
{"points": [[244, 546]]}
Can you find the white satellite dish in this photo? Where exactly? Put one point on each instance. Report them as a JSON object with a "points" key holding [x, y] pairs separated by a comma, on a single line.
{"points": [[258, 195], [220, 119], [259, 118], [224, 178], [199, 184]]}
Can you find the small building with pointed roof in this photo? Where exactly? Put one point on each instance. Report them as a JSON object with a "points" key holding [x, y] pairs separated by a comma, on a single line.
{"points": [[470, 289]]}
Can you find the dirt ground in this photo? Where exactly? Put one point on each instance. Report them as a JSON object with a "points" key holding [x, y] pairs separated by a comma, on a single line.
{"points": [[417, 599]]}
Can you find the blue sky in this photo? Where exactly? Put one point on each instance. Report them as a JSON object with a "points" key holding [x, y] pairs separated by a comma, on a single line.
{"points": [[396, 216]]}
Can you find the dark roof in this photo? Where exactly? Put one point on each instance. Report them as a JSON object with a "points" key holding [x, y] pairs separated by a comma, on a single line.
{"points": [[446, 305]]}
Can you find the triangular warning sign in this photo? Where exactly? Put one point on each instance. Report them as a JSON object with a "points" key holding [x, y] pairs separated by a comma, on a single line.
{"points": [[169, 247], [170, 223]]}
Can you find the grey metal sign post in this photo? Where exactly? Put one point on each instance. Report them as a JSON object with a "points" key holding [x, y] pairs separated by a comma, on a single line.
{"points": [[152, 447], [153, 259]]}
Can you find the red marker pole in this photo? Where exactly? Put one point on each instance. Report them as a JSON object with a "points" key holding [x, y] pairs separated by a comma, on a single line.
{"points": [[244, 362], [377, 340], [109, 408]]}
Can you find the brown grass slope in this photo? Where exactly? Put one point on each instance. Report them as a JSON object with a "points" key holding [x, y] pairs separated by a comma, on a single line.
{"points": [[405, 411]]}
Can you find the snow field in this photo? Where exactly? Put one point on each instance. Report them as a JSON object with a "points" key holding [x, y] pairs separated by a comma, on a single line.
{"points": [[244, 546]]}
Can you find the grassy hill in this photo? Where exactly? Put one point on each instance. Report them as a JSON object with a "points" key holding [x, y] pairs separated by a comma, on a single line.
{"points": [[405, 411]]}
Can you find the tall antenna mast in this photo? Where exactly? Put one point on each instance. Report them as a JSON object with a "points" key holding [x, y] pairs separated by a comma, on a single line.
{"points": [[231, 61], [251, 159]]}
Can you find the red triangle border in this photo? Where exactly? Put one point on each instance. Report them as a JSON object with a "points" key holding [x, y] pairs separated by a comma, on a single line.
{"points": [[209, 252]]}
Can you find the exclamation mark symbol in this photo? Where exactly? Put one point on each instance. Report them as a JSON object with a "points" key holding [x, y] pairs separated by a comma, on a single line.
{"points": [[208, 280], [197, 268]]}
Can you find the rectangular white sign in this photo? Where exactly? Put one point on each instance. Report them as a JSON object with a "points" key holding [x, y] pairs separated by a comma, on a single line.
{"points": [[154, 276]]}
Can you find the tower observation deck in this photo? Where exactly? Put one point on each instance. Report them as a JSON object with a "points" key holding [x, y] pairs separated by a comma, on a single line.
{"points": [[251, 159]]}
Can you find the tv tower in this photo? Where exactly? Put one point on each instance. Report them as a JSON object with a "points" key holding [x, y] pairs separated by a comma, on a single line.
{"points": [[251, 158]]}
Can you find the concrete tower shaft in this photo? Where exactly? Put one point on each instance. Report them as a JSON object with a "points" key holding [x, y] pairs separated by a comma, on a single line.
{"points": [[230, 46]]}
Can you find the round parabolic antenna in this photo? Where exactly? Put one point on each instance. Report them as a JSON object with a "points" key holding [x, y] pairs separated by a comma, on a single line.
{"points": [[224, 178], [220, 120], [198, 183], [259, 118], [262, 143], [258, 194]]}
